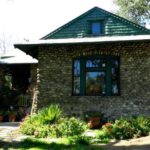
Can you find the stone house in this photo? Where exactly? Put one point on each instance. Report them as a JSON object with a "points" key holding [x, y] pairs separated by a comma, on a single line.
{"points": [[96, 62]]}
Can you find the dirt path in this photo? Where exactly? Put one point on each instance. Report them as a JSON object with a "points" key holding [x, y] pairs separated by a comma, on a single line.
{"points": [[9, 132], [134, 144], [6, 129]]}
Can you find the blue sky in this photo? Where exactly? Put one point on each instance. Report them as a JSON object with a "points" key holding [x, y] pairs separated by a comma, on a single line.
{"points": [[32, 19]]}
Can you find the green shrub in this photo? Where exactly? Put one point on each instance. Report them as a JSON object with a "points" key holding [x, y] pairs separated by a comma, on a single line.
{"points": [[38, 124], [50, 114], [103, 135], [28, 127], [42, 131], [53, 131], [107, 128], [71, 127], [122, 129], [47, 122], [128, 128], [141, 126]]}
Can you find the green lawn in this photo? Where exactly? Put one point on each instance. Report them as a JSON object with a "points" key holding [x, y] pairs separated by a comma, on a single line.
{"points": [[43, 144]]}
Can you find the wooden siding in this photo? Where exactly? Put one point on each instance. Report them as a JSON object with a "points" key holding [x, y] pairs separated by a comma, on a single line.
{"points": [[112, 25]]}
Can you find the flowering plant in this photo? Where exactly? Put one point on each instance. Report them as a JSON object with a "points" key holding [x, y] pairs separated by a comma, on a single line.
{"points": [[108, 127]]}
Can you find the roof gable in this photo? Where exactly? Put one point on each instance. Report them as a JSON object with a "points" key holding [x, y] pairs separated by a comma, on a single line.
{"points": [[113, 25]]}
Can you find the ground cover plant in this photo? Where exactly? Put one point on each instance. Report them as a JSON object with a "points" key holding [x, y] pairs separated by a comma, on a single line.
{"points": [[71, 127], [124, 128], [51, 123]]}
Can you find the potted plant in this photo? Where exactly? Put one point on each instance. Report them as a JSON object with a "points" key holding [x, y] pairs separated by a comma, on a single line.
{"points": [[12, 115], [94, 119], [94, 122], [2, 114]]}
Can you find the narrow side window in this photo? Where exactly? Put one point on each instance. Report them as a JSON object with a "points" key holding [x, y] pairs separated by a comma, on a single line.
{"points": [[76, 77]]}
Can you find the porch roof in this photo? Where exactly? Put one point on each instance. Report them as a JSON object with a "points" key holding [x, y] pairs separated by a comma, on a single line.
{"points": [[27, 46], [17, 56], [101, 39]]}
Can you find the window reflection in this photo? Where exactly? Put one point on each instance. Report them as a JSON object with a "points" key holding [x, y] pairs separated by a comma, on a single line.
{"points": [[115, 89], [76, 67], [95, 83], [76, 89], [95, 63], [116, 63], [114, 71], [76, 81]]}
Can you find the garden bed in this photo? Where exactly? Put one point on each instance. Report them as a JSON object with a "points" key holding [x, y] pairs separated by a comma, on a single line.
{"points": [[51, 123], [38, 143]]}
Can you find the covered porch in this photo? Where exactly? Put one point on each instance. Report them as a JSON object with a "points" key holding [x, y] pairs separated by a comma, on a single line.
{"points": [[16, 84]]}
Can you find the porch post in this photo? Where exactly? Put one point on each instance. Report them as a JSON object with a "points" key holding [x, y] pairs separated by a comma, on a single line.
{"points": [[34, 87]]}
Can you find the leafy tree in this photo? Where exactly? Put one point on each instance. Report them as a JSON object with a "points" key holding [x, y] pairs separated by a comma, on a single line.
{"points": [[137, 11]]}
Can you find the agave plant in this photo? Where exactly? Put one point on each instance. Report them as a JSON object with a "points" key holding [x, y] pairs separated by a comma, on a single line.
{"points": [[50, 114]]}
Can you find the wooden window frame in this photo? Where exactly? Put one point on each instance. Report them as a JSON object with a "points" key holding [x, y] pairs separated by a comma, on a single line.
{"points": [[83, 70]]}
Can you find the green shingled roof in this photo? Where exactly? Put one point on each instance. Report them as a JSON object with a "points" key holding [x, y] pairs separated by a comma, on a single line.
{"points": [[113, 25]]}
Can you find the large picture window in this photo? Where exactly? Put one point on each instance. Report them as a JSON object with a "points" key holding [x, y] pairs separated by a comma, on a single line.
{"points": [[96, 76]]}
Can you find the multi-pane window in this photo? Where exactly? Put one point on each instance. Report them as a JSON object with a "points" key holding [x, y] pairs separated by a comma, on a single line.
{"points": [[96, 28], [96, 76], [115, 76], [76, 78]]}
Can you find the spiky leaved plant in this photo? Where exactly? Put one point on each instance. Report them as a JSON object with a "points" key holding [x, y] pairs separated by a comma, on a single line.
{"points": [[50, 114]]}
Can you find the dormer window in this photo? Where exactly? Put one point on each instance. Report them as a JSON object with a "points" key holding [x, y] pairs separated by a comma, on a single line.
{"points": [[96, 28]]}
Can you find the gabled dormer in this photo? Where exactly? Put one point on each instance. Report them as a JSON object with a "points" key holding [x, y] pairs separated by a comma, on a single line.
{"points": [[95, 23]]}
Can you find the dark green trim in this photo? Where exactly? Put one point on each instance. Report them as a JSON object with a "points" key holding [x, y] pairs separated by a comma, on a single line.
{"points": [[107, 70]]}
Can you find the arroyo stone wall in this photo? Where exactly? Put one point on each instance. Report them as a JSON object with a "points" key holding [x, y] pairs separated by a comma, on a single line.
{"points": [[55, 79]]}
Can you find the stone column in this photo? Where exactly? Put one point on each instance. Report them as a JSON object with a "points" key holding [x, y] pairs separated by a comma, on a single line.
{"points": [[34, 87]]}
